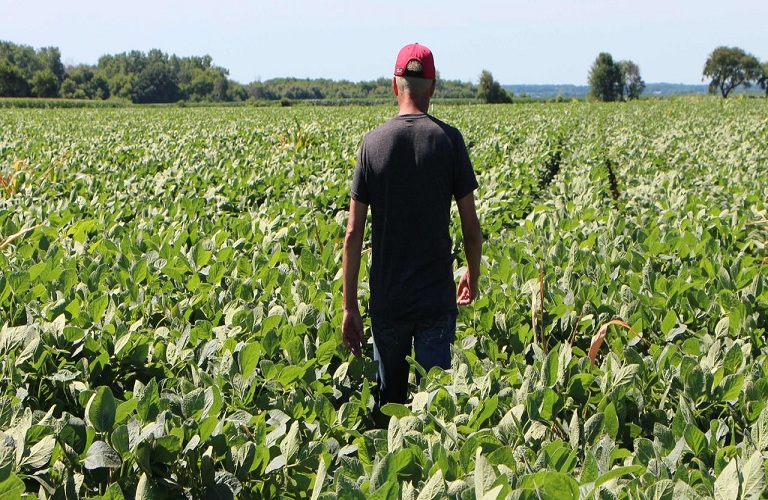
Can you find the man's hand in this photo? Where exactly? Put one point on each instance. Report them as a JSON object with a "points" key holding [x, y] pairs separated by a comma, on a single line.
{"points": [[352, 331], [467, 289]]}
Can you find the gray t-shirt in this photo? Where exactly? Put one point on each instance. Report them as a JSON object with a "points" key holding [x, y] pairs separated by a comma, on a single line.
{"points": [[408, 171]]}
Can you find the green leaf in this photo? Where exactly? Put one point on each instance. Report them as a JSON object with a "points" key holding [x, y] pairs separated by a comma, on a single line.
{"points": [[485, 476], [695, 384], [125, 408], [443, 405], [139, 271], [550, 368], [113, 493], [754, 477], [484, 439], [98, 307], [100, 454], [485, 411], [662, 490], [593, 427], [618, 472], [388, 491], [290, 374], [289, 446], [731, 387], [248, 358], [564, 359], [213, 401], [19, 282], [644, 451], [696, 440], [611, 421], [276, 463], [144, 488], [307, 261], [574, 430], [200, 256], [394, 435], [625, 375], [544, 404], [325, 352], [324, 410], [40, 453], [74, 434], [382, 471], [550, 484], [761, 429], [215, 273], [721, 329], [166, 449], [733, 360], [728, 483], [102, 409], [322, 472], [434, 488], [226, 487], [669, 322], [589, 472], [147, 408], [5, 289], [11, 487], [193, 404], [494, 493], [347, 488], [121, 440], [396, 410]]}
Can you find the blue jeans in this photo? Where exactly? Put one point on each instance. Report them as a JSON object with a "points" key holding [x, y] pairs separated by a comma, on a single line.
{"points": [[392, 342]]}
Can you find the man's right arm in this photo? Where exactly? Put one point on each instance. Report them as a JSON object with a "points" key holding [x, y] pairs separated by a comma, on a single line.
{"points": [[352, 324], [473, 249]]}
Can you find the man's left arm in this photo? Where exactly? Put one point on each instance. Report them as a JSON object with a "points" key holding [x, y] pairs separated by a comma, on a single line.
{"points": [[473, 249]]}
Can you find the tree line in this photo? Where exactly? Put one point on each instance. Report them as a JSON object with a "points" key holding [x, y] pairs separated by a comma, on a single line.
{"points": [[156, 77]]}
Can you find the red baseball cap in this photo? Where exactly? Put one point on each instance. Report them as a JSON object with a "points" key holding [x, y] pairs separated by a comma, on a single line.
{"points": [[421, 53]]}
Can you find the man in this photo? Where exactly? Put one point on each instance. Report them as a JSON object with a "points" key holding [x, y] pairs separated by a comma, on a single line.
{"points": [[408, 171]]}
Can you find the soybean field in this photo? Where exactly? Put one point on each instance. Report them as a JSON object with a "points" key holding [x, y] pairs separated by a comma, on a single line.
{"points": [[170, 307]]}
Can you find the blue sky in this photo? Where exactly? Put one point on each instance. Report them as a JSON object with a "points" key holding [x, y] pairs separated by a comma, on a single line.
{"points": [[551, 41]]}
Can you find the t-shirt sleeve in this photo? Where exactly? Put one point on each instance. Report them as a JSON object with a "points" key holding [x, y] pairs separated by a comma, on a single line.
{"points": [[464, 180], [359, 191]]}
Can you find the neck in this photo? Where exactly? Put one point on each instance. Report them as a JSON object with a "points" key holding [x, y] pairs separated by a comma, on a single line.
{"points": [[408, 106]]}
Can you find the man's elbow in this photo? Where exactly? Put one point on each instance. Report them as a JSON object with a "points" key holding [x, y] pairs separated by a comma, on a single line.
{"points": [[353, 237]]}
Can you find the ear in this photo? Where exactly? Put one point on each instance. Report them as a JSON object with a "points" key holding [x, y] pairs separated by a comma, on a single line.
{"points": [[394, 86], [432, 88]]}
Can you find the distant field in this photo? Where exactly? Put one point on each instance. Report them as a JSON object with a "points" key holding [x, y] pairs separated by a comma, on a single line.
{"points": [[651, 90], [170, 307]]}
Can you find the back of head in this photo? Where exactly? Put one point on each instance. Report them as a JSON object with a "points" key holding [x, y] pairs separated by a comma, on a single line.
{"points": [[414, 85], [415, 70]]}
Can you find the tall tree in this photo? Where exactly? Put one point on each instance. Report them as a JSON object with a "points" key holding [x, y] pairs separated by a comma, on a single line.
{"points": [[606, 79], [763, 81], [489, 90], [633, 83], [12, 81], [729, 68], [45, 84], [50, 57], [156, 84]]}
